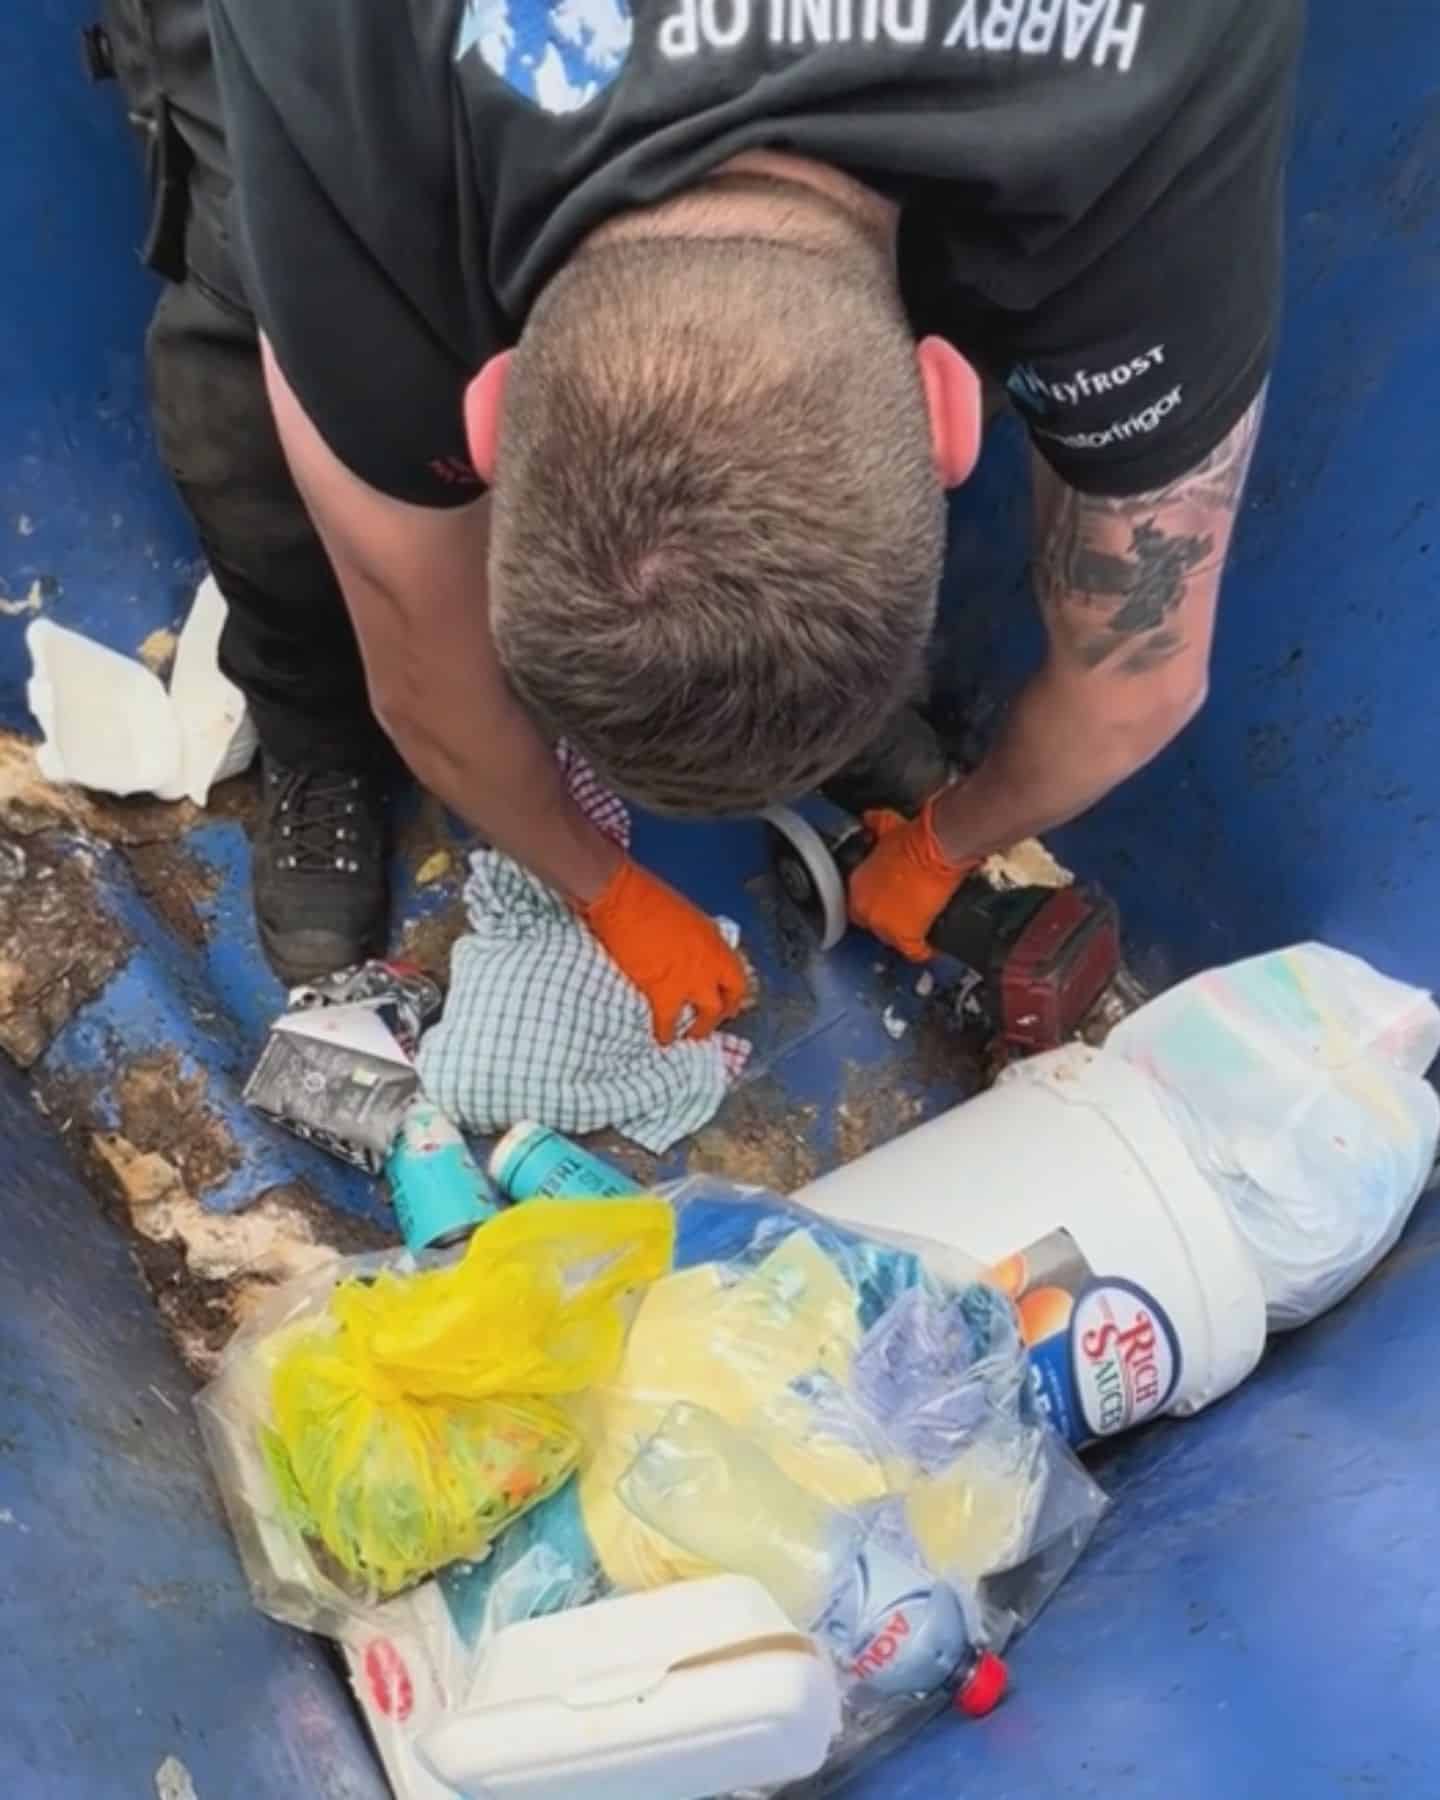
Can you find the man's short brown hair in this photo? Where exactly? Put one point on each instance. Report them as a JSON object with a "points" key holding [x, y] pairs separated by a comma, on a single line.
{"points": [[717, 523]]}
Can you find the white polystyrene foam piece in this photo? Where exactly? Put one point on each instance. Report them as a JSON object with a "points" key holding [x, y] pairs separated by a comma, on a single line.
{"points": [[108, 722], [217, 737], [700, 1688], [110, 726]]}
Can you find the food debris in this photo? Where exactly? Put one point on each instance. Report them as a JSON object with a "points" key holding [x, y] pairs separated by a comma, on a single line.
{"points": [[1027, 864], [268, 1241], [435, 868], [210, 1272], [426, 842], [893, 1023], [32, 602], [874, 1109], [164, 1110], [613, 1147], [58, 944], [428, 941], [173, 1781], [758, 1137], [179, 885], [158, 650]]}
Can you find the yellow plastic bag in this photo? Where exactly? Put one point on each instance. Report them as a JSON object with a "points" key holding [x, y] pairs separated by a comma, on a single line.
{"points": [[413, 1419]]}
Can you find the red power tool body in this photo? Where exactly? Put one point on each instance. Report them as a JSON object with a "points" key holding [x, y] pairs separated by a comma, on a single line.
{"points": [[1042, 956]]}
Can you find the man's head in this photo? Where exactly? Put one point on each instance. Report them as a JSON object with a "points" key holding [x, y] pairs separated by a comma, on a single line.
{"points": [[718, 472]]}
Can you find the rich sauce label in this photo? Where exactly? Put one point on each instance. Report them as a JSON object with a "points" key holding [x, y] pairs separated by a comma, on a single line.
{"points": [[1103, 1354]]}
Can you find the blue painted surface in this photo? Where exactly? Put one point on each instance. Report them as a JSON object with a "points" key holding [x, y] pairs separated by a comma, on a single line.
{"points": [[1256, 1558], [129, 1637], [88, 525]]}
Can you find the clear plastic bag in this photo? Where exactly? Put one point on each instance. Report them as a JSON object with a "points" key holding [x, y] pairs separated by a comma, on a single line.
{"points": [[1296, 1081], [845, 1419], [380, 1421]]}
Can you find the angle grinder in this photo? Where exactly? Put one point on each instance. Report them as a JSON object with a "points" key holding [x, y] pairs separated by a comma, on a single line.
{"points": [[1043, 955]]}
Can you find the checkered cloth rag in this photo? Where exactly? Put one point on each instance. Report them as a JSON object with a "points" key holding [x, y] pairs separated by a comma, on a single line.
{"points": [[540, 1024]]}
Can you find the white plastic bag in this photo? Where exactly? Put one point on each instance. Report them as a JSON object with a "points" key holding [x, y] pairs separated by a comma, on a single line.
{"points": [[1296, 1080], [843, 1416]]}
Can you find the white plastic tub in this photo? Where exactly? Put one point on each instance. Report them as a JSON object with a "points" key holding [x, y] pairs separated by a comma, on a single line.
{"points": [[1068, 1181]]}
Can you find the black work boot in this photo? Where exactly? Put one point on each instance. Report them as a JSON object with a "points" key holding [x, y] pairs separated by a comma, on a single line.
{"points": [[321, 897]]}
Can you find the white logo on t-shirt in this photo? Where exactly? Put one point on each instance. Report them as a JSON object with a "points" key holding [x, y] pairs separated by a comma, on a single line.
{"points": [[1138, 424], [1105, 33], [560, 55], [1043, 393]]}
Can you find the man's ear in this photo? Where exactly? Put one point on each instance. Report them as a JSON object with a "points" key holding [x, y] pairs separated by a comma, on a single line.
{"points": [[484, 405], [952, 394]]}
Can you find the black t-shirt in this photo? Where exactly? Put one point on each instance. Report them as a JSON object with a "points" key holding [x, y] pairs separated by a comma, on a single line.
{"points": [[1090, 190]]}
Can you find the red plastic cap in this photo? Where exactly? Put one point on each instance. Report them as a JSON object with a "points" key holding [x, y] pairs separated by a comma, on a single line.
{"points": [[985, 1689]]}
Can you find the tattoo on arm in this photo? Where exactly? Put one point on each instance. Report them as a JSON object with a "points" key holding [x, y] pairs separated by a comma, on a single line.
{"points": [[1113, 574]]}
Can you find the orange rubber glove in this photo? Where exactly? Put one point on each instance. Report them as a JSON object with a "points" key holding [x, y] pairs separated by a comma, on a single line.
{"points": [[669, 949], [906, 881]]}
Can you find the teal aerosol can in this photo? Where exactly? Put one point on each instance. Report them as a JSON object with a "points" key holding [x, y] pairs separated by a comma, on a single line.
{"points": [[437, 1188], [533, 1162]]}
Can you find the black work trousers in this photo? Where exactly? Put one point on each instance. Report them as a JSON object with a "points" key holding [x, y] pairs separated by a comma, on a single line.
{"points": [[288, 642]]}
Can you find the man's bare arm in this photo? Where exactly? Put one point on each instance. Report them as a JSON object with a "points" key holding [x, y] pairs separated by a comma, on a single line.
{"points": [[1128, 589], [414, 579]]}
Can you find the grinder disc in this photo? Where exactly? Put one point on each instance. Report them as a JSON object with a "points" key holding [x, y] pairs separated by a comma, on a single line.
{"points": [[808, 874]]}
